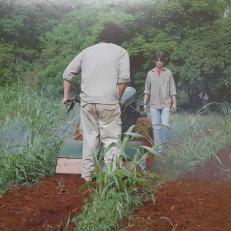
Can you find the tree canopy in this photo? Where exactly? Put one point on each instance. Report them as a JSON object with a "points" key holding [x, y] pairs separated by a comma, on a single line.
{"points": [[195, 34]]}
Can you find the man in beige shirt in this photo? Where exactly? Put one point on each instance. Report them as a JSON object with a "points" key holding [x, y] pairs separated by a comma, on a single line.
{"points": [[160, 94], [105, 72]]}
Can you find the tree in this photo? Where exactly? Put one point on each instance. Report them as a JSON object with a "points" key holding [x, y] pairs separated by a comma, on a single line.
{"points": [[7, 62], [77, 31], [203, 60]]}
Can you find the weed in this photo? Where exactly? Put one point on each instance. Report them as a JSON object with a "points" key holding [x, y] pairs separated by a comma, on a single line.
{"points": [[118, 191]]}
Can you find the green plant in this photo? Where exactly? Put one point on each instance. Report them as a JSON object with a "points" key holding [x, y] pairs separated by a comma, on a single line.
{"points": [[195, 139], [31, 134], [117, 191]]}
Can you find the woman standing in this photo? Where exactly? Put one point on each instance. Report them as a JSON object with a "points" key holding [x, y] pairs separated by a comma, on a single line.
{"points": [[160, 94]]}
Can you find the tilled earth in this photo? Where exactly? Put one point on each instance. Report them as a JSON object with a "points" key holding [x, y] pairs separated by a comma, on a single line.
{"points": [[45, 206], [199, 201]]}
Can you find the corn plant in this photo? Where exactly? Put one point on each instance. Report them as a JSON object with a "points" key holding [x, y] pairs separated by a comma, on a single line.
{"points": [[117, 192]]}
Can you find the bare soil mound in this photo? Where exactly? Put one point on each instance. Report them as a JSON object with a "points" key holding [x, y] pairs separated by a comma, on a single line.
{"points": [[199, 201], [45, 206]]}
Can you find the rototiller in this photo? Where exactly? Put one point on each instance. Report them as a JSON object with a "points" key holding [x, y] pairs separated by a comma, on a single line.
{"points": [[70, 154]]}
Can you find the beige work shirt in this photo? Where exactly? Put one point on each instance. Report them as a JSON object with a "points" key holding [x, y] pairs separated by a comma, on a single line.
{"points": [[160, 89], [103, 66]]}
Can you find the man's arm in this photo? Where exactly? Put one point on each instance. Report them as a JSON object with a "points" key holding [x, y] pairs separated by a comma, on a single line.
{"points": [[74, 67], [70, 72], [147, 92], [122, 87], [124, 68], [173, 93], [66, 91], [173, 107], [146, 99], [124, 72]]}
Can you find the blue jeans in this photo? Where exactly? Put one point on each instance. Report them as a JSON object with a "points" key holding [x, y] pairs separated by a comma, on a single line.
{"points": [[160, 124]]}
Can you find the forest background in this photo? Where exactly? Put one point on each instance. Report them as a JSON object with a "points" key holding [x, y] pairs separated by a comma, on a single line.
{"points": [[39, 38]]}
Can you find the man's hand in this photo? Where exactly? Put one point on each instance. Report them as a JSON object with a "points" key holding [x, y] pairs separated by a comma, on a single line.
{"points": [[173, 107], [146, 99], [66, 93], [67, 101], [122, 87], [145, 107]]}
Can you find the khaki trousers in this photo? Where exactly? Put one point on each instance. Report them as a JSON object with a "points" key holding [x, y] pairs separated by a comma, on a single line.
{"points": [[101, 126]]}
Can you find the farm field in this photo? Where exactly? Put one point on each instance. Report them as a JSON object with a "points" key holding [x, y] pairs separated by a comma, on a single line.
{"points": [[200, 200], [186, 187]]}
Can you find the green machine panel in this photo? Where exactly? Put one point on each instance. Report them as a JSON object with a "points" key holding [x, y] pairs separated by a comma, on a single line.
{"points": [[73, 149]]}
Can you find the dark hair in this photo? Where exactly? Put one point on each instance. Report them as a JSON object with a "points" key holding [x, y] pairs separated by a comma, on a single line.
{"points": [[112, 33], [162, 57]]}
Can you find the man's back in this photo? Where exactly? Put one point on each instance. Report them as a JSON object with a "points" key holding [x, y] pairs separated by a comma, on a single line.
{"points": [[103, 66]]}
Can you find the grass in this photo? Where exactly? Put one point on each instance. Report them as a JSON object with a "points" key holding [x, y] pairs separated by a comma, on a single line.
{"points": [[195, 140], [104, 213], [33, 126], [117, 192], [31, 132]]}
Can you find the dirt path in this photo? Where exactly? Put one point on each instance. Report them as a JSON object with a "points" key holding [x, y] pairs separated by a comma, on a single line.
{"points": [[45, 206], [200, 201]]}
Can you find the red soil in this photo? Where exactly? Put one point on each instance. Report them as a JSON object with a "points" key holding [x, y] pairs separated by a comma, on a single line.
{"points": [[198, 202], [45, 206]]}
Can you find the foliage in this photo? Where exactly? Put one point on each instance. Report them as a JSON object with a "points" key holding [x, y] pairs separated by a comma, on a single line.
{"points": [[105, 213], [142, 48], [23, 23], [117, 192], [194, 141], [7, 61], [37, 42], [14, 63], [181, 15], [166, 27], [77, 31], [203, 60], [26, 167], [21, 26], [50, 34], [31, 131]]}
